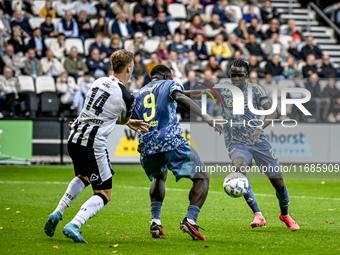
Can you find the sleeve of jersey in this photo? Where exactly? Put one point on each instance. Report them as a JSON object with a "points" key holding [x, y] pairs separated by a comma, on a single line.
{"points": [[175, 86], [261, 96], [129, 101]]}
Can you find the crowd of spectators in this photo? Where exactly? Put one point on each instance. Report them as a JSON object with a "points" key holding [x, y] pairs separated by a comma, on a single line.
{"points": [[197, 50]]}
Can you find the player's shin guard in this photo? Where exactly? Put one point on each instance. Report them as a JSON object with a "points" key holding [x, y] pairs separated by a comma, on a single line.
{"points": [[75, 187], [251, 201], [89, 209], [283, 202]]}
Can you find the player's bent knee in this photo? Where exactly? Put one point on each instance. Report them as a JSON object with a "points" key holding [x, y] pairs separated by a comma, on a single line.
{"points": [[85, 180], [104, 194]]}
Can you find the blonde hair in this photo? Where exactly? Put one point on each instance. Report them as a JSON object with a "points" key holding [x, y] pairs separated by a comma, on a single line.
{"points": [[120, 59]]}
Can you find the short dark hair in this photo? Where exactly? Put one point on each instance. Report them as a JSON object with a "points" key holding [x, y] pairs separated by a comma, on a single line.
{"points": [[160, 71], [240, 63]]}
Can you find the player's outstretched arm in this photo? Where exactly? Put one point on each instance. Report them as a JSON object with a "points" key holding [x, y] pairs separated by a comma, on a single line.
{"points": [[266, 121], [190, 105]]}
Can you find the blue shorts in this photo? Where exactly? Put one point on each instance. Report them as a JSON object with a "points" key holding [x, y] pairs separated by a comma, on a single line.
{"points": [[183, 161], [263, 154]]}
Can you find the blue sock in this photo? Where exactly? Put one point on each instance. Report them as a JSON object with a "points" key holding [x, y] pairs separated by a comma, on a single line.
{"points": [[156, 208], [283, 202], [251, 201], [193, 212]]}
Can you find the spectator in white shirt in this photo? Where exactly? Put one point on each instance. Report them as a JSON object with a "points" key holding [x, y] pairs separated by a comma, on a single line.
{"points": [[51, 66], [68, 26], [64, 6], [58, 47]]}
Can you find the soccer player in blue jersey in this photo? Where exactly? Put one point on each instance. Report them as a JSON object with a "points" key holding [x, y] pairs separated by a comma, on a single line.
{"points": [[246, 143], [164, 147]]}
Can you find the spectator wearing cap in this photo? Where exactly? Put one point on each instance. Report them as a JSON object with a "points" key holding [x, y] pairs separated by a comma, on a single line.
{"points": [[310, 48], [68, 26], [19, 20], [137, 44], [37, 43], [122, 27], [32, 64], [87, 7], [160, 27], [84, 25], [47, 28], [47, 10]]}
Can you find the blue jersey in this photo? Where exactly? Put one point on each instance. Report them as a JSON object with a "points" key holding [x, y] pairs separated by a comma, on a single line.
{"points": [[237, 130], [155, 105]]}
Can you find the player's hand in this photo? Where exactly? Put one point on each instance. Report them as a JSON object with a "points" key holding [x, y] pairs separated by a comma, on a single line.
{"points": [[138, 126], [71, 122], [217, 127], [256, 135]]}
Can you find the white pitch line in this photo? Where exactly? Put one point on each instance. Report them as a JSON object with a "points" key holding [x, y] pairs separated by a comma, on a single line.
{"points": [[171, 189]]}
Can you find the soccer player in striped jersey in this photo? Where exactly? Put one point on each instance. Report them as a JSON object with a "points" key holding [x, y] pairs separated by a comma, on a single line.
{"points": [[164, 147], [246, 142], [107, 103]]}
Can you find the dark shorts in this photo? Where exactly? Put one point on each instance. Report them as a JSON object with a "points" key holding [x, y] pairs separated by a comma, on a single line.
{"points": [[92, 163], [183, 161]]}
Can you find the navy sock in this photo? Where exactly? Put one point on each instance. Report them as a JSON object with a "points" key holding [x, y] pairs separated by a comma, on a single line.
{"points": [[193, 212], [156, 208], [283, 202], [251, 201]]}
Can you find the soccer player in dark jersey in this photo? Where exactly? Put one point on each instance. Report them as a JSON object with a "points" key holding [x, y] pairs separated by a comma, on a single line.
{"points": [[164, 147], [107, 103], [245, 142]]}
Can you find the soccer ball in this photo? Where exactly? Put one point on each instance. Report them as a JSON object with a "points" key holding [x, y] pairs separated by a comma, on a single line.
{"points": [[236, 185]]}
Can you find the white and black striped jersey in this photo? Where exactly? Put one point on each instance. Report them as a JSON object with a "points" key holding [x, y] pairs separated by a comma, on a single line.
{"points": [[106, 100]]}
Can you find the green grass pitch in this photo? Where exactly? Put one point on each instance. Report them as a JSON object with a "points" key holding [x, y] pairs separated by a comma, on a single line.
{"points": [[28, 194]]}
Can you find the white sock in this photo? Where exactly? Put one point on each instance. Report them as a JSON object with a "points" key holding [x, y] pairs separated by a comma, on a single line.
{"points": [[75, 187], [89, 209], [157, 221], [191, 221]]}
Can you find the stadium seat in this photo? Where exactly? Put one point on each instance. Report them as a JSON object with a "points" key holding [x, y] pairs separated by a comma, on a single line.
{"points": [[285, 83], [87, 44], [70, 79], [26, 83], [127, 43], [132, 6], [74, 42], [230, 27], [189, 43], [39, 5], [264, 27], [204, 63], [44, 84], [208, 44], [177, 11], [49, 101], [14, 4], [256, 10], [224, 65], [208, 9], [26, 40], [172, 26], [237, 9], [151, 45], [146, 61], [107, 42], [48, 41], [301, 65], [109, 26], [337, 85], [323, 84], [55, 22], [262, 65], [93, 22], [35, 22]]}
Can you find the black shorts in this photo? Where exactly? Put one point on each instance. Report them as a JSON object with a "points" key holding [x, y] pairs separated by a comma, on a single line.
{"points": [[92, 163]]}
